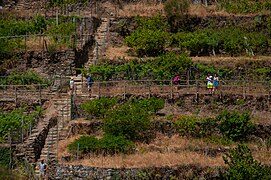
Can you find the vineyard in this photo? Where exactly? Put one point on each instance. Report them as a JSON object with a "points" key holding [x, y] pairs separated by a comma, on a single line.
{"points": [[133, 121]]}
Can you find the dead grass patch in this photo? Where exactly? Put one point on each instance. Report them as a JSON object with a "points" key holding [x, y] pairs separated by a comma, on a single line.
{"points": [[141, 9], [261, 117], [118, 52], [150, 159], [158, 153], [63, 146]]}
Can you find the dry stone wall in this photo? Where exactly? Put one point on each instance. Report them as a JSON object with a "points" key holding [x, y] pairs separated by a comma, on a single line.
{"points": [[178, 172]]}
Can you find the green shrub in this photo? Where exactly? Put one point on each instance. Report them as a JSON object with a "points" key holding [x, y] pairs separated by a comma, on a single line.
{"points": [[13, 120], [85, 144], [150, 37], [106, 145], [243, 166], [116, 144], [151, 105], [235, 126], [244, 6], [128, 120], [147, 42], [188, 126], [5, 157], [25, 78], [99, 107], [163, 67]]}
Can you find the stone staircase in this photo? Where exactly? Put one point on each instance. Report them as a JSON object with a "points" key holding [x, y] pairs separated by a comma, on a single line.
{"points": [[62, 104], [101, 42]]}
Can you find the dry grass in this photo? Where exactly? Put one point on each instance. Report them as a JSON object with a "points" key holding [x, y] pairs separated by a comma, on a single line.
{"points": [[140, 9], [261, 117], [118, 52], [63, 144], [150, 159], [159, 153]]}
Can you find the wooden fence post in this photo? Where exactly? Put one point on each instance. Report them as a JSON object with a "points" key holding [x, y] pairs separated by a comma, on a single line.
{"points": [[171, 90], [244, 89], [22, 130], [16, 96], [99, 90], [269, 93], [40, 94], [149, 89], [124, 94], [197, 91]]}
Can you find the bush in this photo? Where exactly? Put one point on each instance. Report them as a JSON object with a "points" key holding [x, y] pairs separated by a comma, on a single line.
{"points": [[147, 42], [25, 78], [188, 126], [163, 67], [99, 107], [243, 166], [128, 120], [5, 157], [150, 37], [151, 105], [106, 145], [235, 126]]}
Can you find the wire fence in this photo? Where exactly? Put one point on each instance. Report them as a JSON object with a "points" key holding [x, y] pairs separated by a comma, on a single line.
{"points": [[167, 88]]}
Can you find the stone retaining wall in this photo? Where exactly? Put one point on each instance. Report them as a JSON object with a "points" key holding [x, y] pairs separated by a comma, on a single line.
{"points": [[32, 147], [177, 172]]}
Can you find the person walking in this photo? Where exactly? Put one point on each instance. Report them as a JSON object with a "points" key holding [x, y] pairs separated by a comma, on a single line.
{"points": [[90, 82], [215, 82], [71, 85], [42, 169]]}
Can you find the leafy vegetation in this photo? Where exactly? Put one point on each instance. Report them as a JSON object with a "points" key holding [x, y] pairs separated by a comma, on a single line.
{"points": [[149, 38], [163, 67], [245, 6], [5, 155], [99, 107], [235, 126], [128, 120], [106, 145], [243, 166], [232, 125], [150, 41], [25, 78], [37, 25], [13, 120]]}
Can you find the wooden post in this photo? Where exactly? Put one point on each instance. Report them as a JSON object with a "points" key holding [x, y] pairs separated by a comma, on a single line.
{"points": [[82, 83], [244, 89], [197, 91], [40, 94], [124, 94], [269, 93], [25, 42], [16, 96], [99, 89], [149, 89], [171, 90], [22, 130]]}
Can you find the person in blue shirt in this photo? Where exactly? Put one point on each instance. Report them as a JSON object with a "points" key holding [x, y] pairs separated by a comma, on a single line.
{"points": [[90, 82]]}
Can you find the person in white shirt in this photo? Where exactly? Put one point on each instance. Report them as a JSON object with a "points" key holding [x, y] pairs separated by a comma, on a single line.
{"points": [[42, 169], [209, 82]]}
